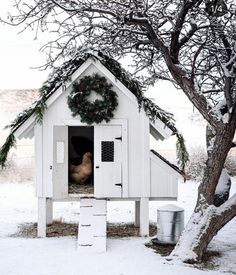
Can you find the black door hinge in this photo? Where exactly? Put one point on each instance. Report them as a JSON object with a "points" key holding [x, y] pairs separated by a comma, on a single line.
{"points": [[118, 184]]}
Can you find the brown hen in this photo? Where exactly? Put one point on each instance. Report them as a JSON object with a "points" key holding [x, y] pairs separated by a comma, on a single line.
{"points": [[81, 173]]}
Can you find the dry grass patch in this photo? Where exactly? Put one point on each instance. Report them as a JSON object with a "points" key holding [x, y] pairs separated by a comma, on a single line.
{"points": [[162, 249], [56, 229], [62, 229]]}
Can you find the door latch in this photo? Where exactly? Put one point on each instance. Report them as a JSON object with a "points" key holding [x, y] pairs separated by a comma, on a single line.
{"points": [[118, 184], [119, 138]]}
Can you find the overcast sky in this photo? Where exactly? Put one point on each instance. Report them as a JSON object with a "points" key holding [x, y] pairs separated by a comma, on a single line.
{"points": [[19, 54]]}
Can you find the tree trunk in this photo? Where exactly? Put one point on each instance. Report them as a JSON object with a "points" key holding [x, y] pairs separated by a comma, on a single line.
{"points": [[223, 188], [217, 150], [207, 219], [201, 228], [224, 184]]}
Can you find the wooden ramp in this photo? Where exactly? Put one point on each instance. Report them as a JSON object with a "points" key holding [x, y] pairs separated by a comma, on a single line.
{"points": [[92, 225]]}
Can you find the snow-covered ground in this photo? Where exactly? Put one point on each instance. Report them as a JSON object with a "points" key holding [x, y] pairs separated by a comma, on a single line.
{"points": [[127, 256]]}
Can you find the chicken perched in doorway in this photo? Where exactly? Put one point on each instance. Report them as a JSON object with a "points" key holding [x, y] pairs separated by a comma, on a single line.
{"points": [[82, 172]]}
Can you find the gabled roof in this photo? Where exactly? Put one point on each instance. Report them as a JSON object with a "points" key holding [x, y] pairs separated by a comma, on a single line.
{"points": [[162, 123], [61, 75]]}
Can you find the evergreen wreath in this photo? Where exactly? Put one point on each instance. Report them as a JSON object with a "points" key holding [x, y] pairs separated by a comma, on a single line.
{"points": [[99, 109]]}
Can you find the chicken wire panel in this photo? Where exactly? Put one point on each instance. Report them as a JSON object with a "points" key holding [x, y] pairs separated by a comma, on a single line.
{"points": [[107, 148]]}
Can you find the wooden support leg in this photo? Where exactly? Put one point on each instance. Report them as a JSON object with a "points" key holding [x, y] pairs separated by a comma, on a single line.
{"points": [[144, 217], [49, 211], [44, 215], [42, 220], [137, 214]]}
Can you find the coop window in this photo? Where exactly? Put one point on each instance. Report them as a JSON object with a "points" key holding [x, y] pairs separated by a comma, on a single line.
{"points": [[107, 151]]}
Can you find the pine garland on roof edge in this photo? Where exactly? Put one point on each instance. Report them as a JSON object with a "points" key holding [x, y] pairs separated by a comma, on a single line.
{"points": [[63, 74]]}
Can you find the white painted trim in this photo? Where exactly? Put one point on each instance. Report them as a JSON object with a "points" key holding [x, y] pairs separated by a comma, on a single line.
{"points": [[22, 131], [38, 147], [146, 180], [30, 134], [77, 122], [159, 130], [78, 198], [125, 166], [73, 122], [55, 96]]}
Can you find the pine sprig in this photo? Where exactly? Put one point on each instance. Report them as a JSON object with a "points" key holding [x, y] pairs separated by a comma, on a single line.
{"points": [[182, 153], [4, 150], [40, 109], [153, 111]]}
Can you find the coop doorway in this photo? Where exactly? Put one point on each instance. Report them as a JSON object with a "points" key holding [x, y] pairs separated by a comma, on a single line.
{"points": [[81, 159]]}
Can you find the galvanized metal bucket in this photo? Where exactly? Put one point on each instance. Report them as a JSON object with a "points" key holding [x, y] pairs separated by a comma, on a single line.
{"points": [[170, 223]]}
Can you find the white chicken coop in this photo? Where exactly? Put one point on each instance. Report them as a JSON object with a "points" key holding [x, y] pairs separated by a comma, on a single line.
{"points": [[123, 166]]}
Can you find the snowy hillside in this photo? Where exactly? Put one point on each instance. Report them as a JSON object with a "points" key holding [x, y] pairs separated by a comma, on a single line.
{"points": [[12, 102]]}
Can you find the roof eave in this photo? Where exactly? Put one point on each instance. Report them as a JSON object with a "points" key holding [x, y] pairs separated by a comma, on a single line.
{"points": [[25, 130], [159, 130]]}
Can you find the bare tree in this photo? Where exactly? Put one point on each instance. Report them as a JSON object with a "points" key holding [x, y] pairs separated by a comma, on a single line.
{"points": [[191, 43]]}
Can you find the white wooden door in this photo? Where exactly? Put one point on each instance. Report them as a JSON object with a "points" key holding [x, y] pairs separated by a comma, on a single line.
{"points": [[108, 161], [60, 162]]}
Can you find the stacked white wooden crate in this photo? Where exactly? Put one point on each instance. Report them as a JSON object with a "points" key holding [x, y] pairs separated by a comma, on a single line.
{"points": [[92, 225]]}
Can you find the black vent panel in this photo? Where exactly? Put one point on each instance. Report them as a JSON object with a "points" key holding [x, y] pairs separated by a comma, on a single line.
{"points": [[107, 151]]}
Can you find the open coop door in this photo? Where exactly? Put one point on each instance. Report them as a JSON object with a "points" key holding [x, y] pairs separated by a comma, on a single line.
{"points": [[60, 162], [108, 175]]}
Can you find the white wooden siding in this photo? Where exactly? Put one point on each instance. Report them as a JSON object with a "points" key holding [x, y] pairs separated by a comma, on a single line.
{"points": [[164, 179]]}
